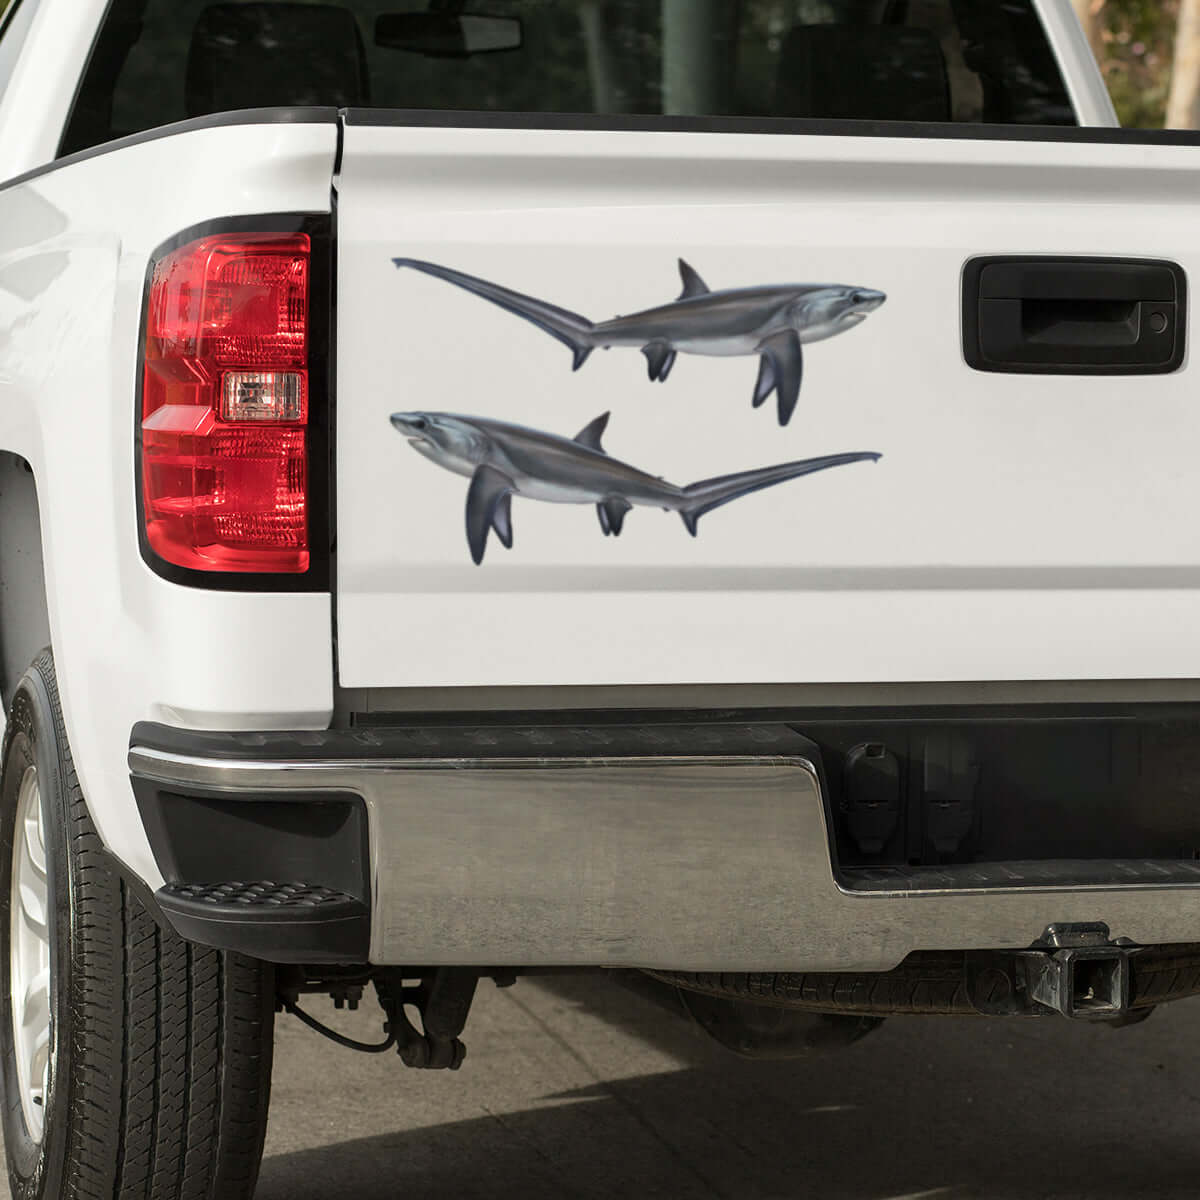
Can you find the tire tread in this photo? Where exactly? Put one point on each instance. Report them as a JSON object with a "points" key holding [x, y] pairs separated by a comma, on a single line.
{"points": [[171, 1043], [924, 984]]}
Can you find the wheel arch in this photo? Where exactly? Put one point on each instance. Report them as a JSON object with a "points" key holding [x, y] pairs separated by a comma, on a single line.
{"points": [[24, 608]]}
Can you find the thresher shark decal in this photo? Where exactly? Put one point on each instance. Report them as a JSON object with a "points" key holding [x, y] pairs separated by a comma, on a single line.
{"points": [[504, 460], [773, 321]]}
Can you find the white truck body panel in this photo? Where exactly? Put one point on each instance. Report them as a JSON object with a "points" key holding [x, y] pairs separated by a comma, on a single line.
{"points": [[129, 646], [1012, 527]]}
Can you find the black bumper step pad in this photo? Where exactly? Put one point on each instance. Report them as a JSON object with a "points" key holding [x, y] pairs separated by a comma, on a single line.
{"points": [[280, 922]]}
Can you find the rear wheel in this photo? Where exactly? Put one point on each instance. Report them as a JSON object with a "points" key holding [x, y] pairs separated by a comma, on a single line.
{"points": [[134, 1064]]}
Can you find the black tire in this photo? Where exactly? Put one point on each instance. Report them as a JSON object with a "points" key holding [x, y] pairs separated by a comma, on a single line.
{"points": [[926, 983], [160, 1050]]}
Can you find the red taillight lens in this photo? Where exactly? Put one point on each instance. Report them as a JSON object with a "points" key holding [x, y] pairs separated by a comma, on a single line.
{"points": [[225, 405]]}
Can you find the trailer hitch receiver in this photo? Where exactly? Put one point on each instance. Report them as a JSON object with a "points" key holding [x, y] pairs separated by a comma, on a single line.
{"points": [[1080, 972]]}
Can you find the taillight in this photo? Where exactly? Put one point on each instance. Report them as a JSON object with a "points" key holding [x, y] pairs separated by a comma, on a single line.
{"points": [[224, 439]]}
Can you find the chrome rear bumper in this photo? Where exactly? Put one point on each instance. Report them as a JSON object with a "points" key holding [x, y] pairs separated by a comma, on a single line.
{"points": [[691, 862]]}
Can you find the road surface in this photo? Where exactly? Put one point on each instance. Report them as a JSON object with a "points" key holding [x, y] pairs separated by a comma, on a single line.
{"points": [[576, 1088]]}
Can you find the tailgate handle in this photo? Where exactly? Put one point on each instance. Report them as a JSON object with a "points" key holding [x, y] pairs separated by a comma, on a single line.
{"points": [[1074, 316]]}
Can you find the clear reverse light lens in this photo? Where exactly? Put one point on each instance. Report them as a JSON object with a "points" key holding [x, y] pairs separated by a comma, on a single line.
{"points": [[262, 396]]}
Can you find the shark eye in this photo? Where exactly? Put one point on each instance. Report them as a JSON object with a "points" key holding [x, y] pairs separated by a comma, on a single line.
{"points": [[419, 424]]}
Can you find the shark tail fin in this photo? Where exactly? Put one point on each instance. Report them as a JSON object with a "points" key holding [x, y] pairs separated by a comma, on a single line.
{"points": [[575, 332], [703, 497]]}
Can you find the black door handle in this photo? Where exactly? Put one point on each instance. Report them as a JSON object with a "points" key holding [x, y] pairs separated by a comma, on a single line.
{"points": [[1074, 316]]}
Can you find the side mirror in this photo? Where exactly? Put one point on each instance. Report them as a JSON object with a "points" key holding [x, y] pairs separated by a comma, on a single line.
{"points": [[448, 35]]}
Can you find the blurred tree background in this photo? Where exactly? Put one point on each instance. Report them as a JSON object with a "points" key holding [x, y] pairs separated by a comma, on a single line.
{"points": [[1149, 51], [1135, 42]]}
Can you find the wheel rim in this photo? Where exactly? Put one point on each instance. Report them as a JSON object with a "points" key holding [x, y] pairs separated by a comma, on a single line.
{"points": [[29, 969]]}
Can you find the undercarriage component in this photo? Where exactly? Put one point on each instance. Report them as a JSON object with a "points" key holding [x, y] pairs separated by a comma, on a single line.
{"points": [[442, 997], [339, 1039], [749, 1029], [762, 1031], [1037, 982], [343, 985]]}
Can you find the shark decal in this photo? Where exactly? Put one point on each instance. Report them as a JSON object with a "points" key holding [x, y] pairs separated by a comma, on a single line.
{"points": [[773, 321], [503, 461]]}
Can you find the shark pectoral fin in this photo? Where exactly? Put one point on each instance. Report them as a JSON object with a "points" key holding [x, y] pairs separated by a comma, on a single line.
{"points": [[766, 381], [488, 492], [592, 432], [693, 285], [502, 520], [613, 512], [787, 368], [660, 359]]}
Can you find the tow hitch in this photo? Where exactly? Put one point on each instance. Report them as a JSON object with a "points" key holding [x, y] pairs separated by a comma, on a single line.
{"points": [[1082, 974], [1079, 971]]}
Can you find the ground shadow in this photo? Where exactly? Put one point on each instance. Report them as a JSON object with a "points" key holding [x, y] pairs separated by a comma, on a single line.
{"points": [[948, 1108]]}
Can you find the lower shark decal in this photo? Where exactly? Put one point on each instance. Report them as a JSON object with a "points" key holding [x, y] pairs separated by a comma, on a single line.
{"points": [[773, 321], [504, 460]]}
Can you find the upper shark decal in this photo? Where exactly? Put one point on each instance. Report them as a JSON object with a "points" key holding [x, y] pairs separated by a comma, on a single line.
{"points": [[504, 460], [773, 321]]}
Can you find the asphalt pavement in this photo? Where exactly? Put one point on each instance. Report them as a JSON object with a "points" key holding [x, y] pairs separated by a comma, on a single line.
{"points": [[578, 1088]]}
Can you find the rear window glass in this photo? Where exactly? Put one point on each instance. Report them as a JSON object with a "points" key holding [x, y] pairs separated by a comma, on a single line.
{"points": [[157, 61]]}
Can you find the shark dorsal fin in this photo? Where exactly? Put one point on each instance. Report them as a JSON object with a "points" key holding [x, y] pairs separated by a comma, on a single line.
{"points": [[591, 433], [693, 285]]}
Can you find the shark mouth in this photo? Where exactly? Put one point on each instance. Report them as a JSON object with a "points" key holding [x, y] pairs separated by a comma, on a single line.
{"points": [[412, 427]]}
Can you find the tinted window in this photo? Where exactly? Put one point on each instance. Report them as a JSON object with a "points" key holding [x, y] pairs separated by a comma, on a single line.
{"points": [[158, 61], [13, 27]]}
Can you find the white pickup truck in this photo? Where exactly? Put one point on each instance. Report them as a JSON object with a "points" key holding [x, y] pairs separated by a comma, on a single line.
{"points": [[341, 644]]}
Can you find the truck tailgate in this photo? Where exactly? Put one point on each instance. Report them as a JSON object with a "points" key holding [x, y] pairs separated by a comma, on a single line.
{"points": [[1016, 526]]}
